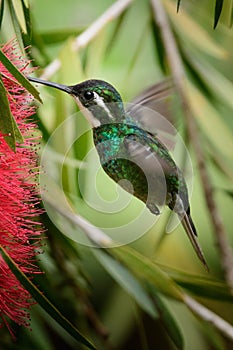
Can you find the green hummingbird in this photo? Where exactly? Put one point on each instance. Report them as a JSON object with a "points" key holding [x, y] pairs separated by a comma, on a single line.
{"points": [[129, 152]]}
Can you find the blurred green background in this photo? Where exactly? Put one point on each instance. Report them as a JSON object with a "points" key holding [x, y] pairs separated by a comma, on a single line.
{"points": [[88, 286]]}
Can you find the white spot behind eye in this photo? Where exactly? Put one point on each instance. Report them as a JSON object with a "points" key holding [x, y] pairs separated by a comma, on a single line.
{"points": [[100, 102]]}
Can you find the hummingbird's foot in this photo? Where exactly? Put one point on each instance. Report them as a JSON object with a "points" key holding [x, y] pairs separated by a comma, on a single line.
{"points": [[153, 208]]}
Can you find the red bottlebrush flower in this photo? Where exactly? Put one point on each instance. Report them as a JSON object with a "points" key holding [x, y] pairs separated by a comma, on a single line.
{"points": [[19, 231]]}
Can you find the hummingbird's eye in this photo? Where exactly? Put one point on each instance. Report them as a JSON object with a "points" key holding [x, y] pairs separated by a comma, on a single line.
{"points": [[88, 95]]}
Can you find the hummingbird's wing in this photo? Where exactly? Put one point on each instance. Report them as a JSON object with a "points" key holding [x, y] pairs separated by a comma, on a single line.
{"points": [[155, 162], [153, 110], [149, 153], [156, 97]]}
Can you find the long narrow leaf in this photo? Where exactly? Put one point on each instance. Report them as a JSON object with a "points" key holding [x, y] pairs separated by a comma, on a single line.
{"points": [[231, 15], [8, 125], [147, 271], [226, 13], [168, 321], [178, 5], [127, 281], [27, 16], [18, 8], [201, 286], [217, 11], [16, 25], [19, 76], [159, 46], [59, 35], [1, 11], [44, 302]]}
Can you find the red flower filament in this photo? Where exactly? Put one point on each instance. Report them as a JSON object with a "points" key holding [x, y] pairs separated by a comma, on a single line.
{"points": [[19, 231]]}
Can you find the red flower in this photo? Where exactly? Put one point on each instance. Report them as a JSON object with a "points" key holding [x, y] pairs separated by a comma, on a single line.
{"points": [[19, 231]]}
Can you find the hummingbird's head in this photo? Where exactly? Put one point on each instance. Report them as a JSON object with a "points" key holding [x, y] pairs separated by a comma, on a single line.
{"points": [[98, 100], [102, 102]]}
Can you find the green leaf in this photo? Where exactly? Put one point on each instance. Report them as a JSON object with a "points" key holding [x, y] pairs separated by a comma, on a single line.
{"points": [[27, 16], [231, 15], [19, 76], [1, 11], [168, 321], [178, 5], [44, 302], [159, 46], [54, 37], [127, 281], [226, 12], [213, 336], [8, 125], [26, 3], [147, 271], [16, 25], [201, 285], [217, 11], [18, 8]]}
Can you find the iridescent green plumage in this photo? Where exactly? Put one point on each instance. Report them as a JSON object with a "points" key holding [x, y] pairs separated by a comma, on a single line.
{"points": [[128, 152], [112, 142]]}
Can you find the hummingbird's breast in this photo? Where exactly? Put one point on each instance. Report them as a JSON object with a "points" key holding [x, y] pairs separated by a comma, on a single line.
{"points": [[115, 160]]}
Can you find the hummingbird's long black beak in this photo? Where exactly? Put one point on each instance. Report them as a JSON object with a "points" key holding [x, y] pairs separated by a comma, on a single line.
{"points": [[65, 88]]}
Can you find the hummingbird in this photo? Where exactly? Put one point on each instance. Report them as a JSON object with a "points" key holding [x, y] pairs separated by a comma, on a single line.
{"points": [[129, 152]]}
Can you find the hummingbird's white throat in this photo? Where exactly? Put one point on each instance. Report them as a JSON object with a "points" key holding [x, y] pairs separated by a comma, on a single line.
{"points": [[95, 123]]}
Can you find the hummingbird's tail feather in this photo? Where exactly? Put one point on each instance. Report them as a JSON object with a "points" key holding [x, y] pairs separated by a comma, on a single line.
{"points": [[189, 227]]}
